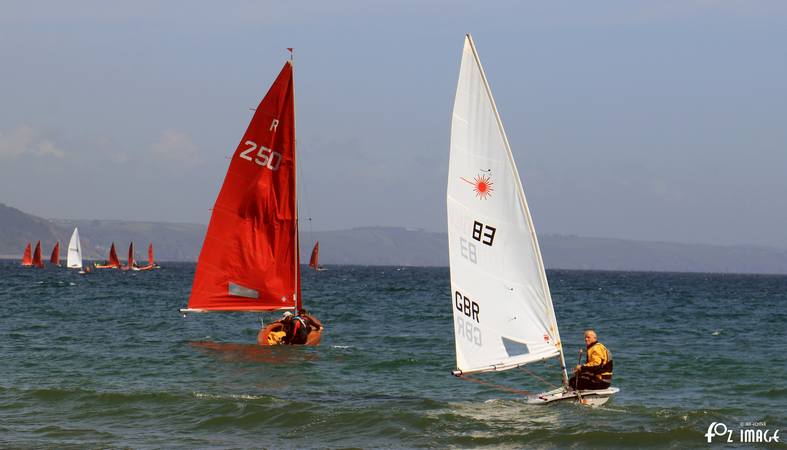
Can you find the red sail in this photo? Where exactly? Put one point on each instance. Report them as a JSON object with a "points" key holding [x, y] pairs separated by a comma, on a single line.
{"points": [[249, 260], [130, 256], [313, 262], [37, 256], [55, 258], [27, 258], [150, 254], [114, 261]]}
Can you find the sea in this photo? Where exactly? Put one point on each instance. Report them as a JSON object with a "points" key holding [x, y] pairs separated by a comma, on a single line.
{"points": [[106, 360]]}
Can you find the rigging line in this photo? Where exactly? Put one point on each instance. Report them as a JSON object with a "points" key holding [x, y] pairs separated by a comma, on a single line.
{"points": [[496, 386], [538, 377], [304, 196]]}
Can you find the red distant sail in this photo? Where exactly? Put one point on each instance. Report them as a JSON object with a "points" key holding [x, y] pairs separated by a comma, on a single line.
{"points": [[151, 264], [37, 261], [130, 264], [55, 258], [313, 262], [114, 261], [249, 260], [27, 258]]}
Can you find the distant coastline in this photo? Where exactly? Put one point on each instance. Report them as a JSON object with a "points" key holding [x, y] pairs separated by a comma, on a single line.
{"points": [[391, 246]]}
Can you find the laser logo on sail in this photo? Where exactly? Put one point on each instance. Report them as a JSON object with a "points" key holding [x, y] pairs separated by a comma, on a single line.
{"points": [[482, 185]]}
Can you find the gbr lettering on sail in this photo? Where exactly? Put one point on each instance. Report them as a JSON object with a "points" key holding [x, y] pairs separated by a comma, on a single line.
{"points": [[265, 157]]}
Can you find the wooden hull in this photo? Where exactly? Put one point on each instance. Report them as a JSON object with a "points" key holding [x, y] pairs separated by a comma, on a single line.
{"points": [[313, 339]]}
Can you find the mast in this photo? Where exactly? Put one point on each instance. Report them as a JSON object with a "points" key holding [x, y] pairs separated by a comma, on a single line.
{"points": [[523, 202], [298, 301]]}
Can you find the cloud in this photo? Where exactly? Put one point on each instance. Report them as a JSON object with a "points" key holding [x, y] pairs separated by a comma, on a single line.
{"points": [[48, 148], [28, 140], [175, 145]]}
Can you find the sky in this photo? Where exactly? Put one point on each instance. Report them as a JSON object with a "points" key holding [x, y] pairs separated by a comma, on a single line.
{"points": [[661, 121]]}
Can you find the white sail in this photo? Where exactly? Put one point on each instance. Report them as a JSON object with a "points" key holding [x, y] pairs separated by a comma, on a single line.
{"points": [[74, 260], [502, 308]]}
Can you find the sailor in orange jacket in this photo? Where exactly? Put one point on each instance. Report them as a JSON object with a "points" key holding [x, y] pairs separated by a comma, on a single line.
{"points": [[596, 373]]}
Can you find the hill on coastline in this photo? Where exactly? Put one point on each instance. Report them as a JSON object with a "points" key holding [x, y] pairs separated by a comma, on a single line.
{"points": [[393, 246]]}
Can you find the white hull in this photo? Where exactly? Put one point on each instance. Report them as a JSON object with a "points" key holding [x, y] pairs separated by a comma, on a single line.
{"points": [[596, 397]]}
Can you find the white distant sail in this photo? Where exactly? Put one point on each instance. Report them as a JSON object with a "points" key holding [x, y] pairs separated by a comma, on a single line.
{"points": [[502, 308], [74, 260]]}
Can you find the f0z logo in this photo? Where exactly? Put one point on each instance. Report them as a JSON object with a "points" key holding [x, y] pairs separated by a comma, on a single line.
{"points": [[483, 233]]}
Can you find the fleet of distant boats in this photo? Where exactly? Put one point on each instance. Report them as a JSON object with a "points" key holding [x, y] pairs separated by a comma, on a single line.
{"points": [[33, 258]]}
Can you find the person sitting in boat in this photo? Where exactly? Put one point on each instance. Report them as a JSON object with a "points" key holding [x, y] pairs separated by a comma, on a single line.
{"points": [[299, 327], [596, 373], [310, 320], [279, 334]]}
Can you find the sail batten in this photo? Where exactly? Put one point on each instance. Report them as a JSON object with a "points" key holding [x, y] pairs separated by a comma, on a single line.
{"points": [[502, 307]]}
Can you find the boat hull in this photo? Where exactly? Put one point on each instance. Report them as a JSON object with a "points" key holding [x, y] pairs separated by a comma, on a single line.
{"points": [[314, 338], [594, 397]]}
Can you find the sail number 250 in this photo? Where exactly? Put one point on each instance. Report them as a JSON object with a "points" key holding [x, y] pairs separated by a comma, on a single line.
{"points": [[265, 157]]}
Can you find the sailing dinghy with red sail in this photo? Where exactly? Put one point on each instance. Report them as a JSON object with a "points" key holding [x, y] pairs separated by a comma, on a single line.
{"points": [[114, 261], [314, 261], [55, 258], [249, 260], [151, 264], [131, 263], [27, 257], [37, 261]]}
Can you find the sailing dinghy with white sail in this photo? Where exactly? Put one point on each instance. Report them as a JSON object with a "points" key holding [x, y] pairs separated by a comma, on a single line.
{"points": [[74, 258], [502, 307]]}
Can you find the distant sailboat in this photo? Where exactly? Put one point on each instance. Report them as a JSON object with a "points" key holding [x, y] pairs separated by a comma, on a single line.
{"points": [[74, 257], [131, 265], [55, 258], [114, 261], [502, 308], [314, 260], [249, 259], [27, 257], [151, 260], [151, 264], [37, 261]]}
